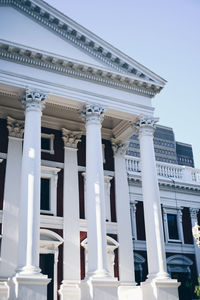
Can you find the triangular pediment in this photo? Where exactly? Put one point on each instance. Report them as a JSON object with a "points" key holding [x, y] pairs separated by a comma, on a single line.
{"points": [[29, 33], [43, 27]]}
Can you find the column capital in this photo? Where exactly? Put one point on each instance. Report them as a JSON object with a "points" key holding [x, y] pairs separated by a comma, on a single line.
{"points": [[119, 147], [194, 212], [34, 100], [71, 138], [146, 125], [93, 113], [15, 128]]}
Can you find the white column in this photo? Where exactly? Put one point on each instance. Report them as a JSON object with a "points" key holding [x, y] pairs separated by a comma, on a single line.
{"points": [[151, 197], [29, 226], [71, 234], [193, 215], [107, 185], [158, 285], [10, 222], [133, 220], [97, 258], [126, 258]]}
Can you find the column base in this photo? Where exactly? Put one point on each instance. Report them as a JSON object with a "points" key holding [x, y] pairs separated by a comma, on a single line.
{"points": [[70, 290], [128, 291], [99, 289], [4, 289], [160, 289], [28, 287]]}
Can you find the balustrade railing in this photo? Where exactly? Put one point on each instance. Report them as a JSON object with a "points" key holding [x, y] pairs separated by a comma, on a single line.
{"points": [[165, 170]]}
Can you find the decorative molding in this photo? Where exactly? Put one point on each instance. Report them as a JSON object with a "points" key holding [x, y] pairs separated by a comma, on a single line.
{"points": [[76, 69], [193, 213], [93, 113], [15, 127], [146, 125], [119, 147], [33, 100], [71, 138], [70, 31]]}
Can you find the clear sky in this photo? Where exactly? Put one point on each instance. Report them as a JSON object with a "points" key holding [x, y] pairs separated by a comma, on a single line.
{"points": [[163, 35]]}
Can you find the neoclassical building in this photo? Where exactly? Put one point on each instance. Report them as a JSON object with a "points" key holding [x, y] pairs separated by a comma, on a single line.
{"points": [[70, 219]]}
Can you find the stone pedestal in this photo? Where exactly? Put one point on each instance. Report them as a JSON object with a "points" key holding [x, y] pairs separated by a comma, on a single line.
{"points": [[129, 292], [4, 290], [70, 290], [99, 289], [160, 289], [31, 287]]}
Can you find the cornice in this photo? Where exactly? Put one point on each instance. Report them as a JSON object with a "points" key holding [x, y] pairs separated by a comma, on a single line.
{"points": [[179, 185], [69, 30], [57, 64]]}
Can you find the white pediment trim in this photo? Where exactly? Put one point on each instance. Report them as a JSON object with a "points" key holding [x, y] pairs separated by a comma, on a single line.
{"points": [[82, 38], [67, 67]]}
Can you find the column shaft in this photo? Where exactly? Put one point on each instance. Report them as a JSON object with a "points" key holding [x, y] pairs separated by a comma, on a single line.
{"points": [[71, 275], [151, 197], [97, 260], [126, 259], [30, 185], [10, 230]]}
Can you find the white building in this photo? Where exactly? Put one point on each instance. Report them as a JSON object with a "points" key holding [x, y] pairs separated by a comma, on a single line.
{"points": [[68, 103]]}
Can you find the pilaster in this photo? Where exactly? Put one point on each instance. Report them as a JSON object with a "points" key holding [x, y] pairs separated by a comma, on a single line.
{"points": [[71, 274], [133, 220]]}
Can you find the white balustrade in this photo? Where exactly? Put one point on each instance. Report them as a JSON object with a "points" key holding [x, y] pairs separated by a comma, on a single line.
{"points": [[165, 170]]}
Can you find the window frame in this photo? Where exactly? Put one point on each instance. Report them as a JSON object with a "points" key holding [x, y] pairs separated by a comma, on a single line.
{"points": [[178, 213], [51, 137], [51, 173]]}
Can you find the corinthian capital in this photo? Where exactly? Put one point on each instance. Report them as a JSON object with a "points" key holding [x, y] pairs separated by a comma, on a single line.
{"points": [[15, 127], [71, 138], [146, 125], [93, 113], [34, 100], [119, 148]]}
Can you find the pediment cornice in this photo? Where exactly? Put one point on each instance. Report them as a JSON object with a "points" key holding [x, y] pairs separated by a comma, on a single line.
{"points": [[77, 35], [57, 64]]}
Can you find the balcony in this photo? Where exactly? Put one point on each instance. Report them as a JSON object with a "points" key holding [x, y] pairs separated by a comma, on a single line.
{"points": [[166, 171]]}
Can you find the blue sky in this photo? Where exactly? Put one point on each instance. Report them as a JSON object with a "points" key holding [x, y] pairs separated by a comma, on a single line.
{"points": [[165, 37]]}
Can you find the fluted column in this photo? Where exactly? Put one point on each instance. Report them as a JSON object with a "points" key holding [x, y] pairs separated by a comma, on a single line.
{"points": [[194, 219], [126, 259], [97, 260], [10, 222], [151, 197], [71, 227]]}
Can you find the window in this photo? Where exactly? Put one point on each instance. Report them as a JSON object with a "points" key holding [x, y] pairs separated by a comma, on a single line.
{"points": [[47, 143], [172, 227], [173, 224], [45, 194], [48, 190]]}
